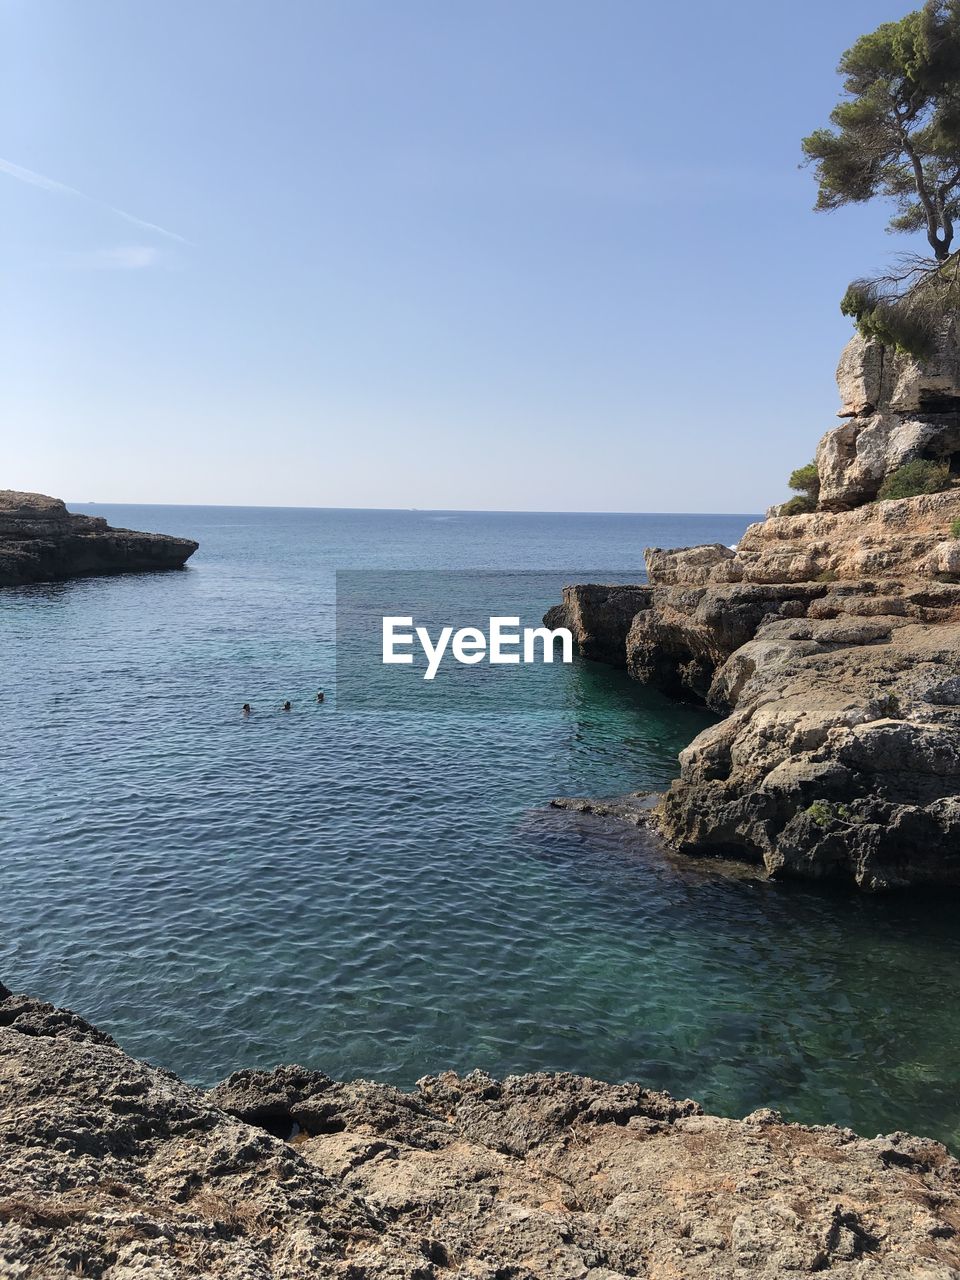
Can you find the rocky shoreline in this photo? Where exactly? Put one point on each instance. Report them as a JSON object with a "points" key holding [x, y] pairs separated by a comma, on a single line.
{"points": [[829, 641], [41, 541], [116, 1170]]}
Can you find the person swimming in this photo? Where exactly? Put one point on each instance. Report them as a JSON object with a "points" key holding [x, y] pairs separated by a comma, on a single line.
{"points": [[319, 695], [285, 707], [246, 708]]}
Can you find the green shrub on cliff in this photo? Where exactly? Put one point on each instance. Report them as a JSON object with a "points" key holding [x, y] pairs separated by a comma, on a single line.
{"points": [[798, 506], [915, 478], [806, 480], [821, 813], [825, 814], [908, 321], [955, 528]]}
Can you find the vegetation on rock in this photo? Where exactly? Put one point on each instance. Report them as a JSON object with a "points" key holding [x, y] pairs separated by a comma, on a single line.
{"points": [[821, 813], [798, 506], [805, 481], [915, 478], [908, 317]]}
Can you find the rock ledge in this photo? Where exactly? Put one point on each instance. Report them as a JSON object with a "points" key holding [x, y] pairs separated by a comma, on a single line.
{"points": [[41, 541], [116, 1170]]}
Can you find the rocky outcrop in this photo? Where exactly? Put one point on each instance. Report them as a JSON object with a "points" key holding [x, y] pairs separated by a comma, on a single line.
{"points": [[116, 1170], [840, 757], [41, 541], [895, 409], [600, 617], [831, 644], [908, 538]]}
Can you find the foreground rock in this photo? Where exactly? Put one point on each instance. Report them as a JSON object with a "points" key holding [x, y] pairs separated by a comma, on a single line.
{"points": [[116, 1170], [41, 541], [831, 642]]}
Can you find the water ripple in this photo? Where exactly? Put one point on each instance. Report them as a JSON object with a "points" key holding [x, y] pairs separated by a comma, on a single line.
{"points": [[386, 895]]}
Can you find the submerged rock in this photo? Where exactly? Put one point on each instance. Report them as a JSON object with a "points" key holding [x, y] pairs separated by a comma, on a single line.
{"points": [[41, 541], [117, 1170], [636, 808]]}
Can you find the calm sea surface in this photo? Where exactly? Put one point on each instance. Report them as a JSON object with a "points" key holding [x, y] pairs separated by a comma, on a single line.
{"points": [[386, 894]]}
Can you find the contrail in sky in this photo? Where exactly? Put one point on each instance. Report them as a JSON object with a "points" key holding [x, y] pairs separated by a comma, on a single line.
{"points": [[49, 184]]}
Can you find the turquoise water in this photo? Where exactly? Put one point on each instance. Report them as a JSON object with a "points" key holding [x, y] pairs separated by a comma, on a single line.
{"points": [[386, 893]]}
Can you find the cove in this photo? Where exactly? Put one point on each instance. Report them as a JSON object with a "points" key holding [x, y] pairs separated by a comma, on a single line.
{"points": [[350, 891]]}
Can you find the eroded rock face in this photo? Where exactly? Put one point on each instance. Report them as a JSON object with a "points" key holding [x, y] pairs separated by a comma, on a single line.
{"points": [[895, 409], [841, 754], [909, 537], [41, 541], [116, 1170], [831, 643], [599, 617], [859, 376]]}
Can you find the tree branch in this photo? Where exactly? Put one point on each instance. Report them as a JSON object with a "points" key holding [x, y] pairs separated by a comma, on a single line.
{"points": [[940, 244]]}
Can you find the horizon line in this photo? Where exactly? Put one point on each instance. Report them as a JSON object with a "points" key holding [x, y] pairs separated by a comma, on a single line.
{"points": [[476, 511]]}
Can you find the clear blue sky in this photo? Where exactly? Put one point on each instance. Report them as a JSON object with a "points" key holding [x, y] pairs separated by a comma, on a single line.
{"points": [[508, 254]]}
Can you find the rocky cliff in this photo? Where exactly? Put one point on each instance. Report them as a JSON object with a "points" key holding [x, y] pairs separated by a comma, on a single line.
{"points": [[41, 541], [117, 1170], [831, 644], [895, 410]]}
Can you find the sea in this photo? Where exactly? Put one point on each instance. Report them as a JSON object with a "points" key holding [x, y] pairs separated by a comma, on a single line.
{"points": [[380, 888]]}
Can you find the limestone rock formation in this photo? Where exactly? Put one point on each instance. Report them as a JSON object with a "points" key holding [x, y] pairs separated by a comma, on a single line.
{"points": [[41, 541], [116, 1170], [895, 409], [831, 643], [599, 618]]}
